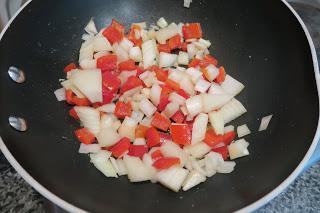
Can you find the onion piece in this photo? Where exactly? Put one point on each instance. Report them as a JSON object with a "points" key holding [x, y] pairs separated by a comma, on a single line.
{"points": [[155, 93], [171, 109], [194, 105], [226, 167], [217, 122], [131, 92], [86, 50], [89, 148], [60, 94], [175, 75], [101, 43], [167, 59], [101, 161], [127, 128], [149, 53], [108, 108], [89, 82], [100, 54], [194, 178], [126, 44], [137, 116], [175, 97], [229, 128], [139, 141], [186, 3], [166, 33], [87, 37], [202, 86], [216, 89], [232, 110], [214, 102], [88, 64], [238, 149], [194, 74], [196, 166], [122, 170], [243, 130], [183, 58], [69, 85], [265, 122], [192, 50], [212, 72], [124, 75], [199, 128], [147, 107], [135, 54], [137, 171], [187, 85], [197, 150], [170, 149], [146, 121], [212, 162], [108, 137], [232, 86], [122, 54], [89, 117], [147, 161], [162, 22], [172, 178], [91, 27]]}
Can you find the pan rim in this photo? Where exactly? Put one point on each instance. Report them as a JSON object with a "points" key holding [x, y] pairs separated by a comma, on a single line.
{"points": [[251, 207]]}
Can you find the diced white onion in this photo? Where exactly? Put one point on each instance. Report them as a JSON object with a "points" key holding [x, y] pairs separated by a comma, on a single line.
{"points": [[147, 107], [212, 162], [108, 137], [202, 86], [175, 97], [194, 73], [91, 27], [265, 122], [146, 121], [175, 75], [172, 178], [127, 128], [89, 148], [192, 50], [101, 43], [170, 149], [101, 161], [126, 44], [232, 86], [100, 54], [183, 58], [108, 108], [131, 92], [213, 102], [186, 3], [135, 54], [155, 93], [238, 149], [166, 33], [232, 110], [87, 37], [149, 53], [139, 141], [89, 117], [212, 72], [229, 128], [124, 75], [199, 128], [86, 50], [197, 150], [226, 167], [88, 64], [243, 130], [194, 178], [167, 59], [217, 122], [122, 170], [216, 89], [187, 85], [60, 94], [137, 116], [137, 171], [162, 22], [171, 109], [194, 105]]}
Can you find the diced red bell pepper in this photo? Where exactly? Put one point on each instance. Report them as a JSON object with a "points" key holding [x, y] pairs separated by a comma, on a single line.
{"points": [[117, 26], [164, 101], [160, 122], [127, 65], [122, 109], [137, 150], [192, 30], [141, 131], [181, 133], [184, 47], [164, 48], [221, 76], [165, 137], [165, 163], [112, 34], [183, 93], [85, 136], [223, 150], [111, 81], [70, 67], [178, 117], [156, 155], [132, 82], [120, 147], [162, 75], [69, 96], [229, 137], [73, 113], [107, 95], [194, 63], [107, 63], [152, 137], [212, 139], [174, 85], [132, 35], [209, 59], [139, 70], [175, 42], [72, 99]]}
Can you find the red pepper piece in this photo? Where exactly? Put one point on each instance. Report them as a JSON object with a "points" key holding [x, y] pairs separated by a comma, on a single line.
{"points": [[118, 26], [164, 137], [156, 155], [112, 34], [132, 82], [122, 109], [194, 63], [107, 63], [175, 42], [164, 48], [132, 35], [181, 133], [70, 67], [192, 30], [137, 150], [165, 163], [72, 99], [212, 139], [120, 147], [107, 95], [162, 75], [160, 122], [222, 75], [111, 81], [172, 84], [141, 131], [73, 113], [229, 137], [127, 65], [152, 137], [85, 136], [178, 117], [223, 150], [183, 93], [209, 59], [184, 47]]}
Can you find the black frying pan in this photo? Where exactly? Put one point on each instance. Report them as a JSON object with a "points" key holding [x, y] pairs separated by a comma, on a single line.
{"points": [[261, 43]]}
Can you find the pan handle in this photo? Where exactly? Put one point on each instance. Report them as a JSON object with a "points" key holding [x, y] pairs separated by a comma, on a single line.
{"points": [[315, 157]]}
